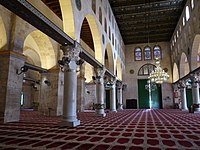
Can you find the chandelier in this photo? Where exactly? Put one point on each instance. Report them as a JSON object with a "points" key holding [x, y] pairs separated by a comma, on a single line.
{"points": [[158, 75]]}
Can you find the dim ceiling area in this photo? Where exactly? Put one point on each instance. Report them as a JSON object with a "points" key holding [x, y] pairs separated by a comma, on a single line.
{"points": [[141, 21]]}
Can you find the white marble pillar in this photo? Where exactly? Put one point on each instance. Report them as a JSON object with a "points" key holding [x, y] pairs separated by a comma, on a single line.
{"points": [[99, 106], [119, 95], [183, 95], [195, 93], [113, 95], [71, 56]]}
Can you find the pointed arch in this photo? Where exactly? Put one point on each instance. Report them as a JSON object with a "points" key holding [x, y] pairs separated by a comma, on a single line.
{"points": [[108, 58], [3, 36], [118, 69], [195, 52], [95, 37], [175, 73], [39, 48], [184, 65], [89, 70], [68, 17]]}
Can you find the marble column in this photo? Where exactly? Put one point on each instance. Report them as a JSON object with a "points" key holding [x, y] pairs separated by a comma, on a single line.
{"points": [[119, 95], [99, 106], [182, 86], [113, 95], [11, 85], [195, 93], [69, 65]]}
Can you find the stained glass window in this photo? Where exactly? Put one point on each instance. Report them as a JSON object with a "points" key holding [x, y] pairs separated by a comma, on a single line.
{"points": [[138, 54], [147, 53], [157, 52]]}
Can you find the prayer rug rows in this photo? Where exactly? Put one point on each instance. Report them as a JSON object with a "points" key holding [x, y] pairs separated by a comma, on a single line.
{"points": [[124, 130]]}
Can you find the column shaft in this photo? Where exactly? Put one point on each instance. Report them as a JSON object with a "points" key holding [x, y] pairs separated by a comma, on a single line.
{"points": [[195, 96], [120, 101], [183, 98], [113, 99]]}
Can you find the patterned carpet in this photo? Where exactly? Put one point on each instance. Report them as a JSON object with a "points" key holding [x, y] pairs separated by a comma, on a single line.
{"points": [[125, 130]]}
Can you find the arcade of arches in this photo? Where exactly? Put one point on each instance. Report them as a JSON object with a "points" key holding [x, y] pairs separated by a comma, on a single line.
{"points": [[69, 87]]}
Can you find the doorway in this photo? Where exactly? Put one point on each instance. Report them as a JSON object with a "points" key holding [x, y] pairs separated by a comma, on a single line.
{"points": [[144, 96]]}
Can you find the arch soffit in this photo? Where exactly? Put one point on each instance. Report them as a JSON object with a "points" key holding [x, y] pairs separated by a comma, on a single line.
{"points": [[118, 68], [95, 36], [67, 17], [33, 55], [42, 45], [175, 73], [183, 66], [3, 35], [195, 51], [110, 57]]}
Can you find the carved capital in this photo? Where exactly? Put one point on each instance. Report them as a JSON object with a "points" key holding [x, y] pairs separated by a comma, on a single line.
{"points": [[100, 74], [119, 85], [182, 84], [72, 53], [194, 78], [71, 57], [113, 81]]}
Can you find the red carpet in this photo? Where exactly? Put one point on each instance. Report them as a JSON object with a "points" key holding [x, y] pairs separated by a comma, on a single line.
{"points": [[125, 130]]}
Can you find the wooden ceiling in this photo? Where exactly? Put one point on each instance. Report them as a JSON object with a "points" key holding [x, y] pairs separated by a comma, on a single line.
{"points": [[141, 21]]}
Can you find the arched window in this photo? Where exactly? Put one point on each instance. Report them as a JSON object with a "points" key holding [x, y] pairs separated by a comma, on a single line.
{"points": [[138, 54], [192, 4], [183, 21], [157, 52], [105, 25], [94, 5], [147, 53], [146, 69], [113, 39], [100, 15], [109, 33], [187, 13]]}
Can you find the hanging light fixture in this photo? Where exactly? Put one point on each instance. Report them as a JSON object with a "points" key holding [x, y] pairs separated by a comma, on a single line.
{"points": [[158, 75]]}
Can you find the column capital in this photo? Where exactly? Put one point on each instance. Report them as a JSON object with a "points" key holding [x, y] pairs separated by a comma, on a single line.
{"points": [[71, 52], [70, 57], [113, 80], [194, 78], [182, 84], [119, 85], [100, 73]]}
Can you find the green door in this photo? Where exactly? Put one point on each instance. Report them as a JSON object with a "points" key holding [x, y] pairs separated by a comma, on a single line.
{"points": [[189, 97], [108, 99], [143, 95], [156, 97]]}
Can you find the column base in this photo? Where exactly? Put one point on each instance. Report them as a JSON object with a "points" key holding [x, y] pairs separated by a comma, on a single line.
{"points": [[114, 110], [120, 109], [69, 123], [184, 109], [196, 108], [100, 112]]}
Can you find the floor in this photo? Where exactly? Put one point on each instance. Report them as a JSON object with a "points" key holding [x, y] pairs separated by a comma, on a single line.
{"points": [[124, 130]]}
